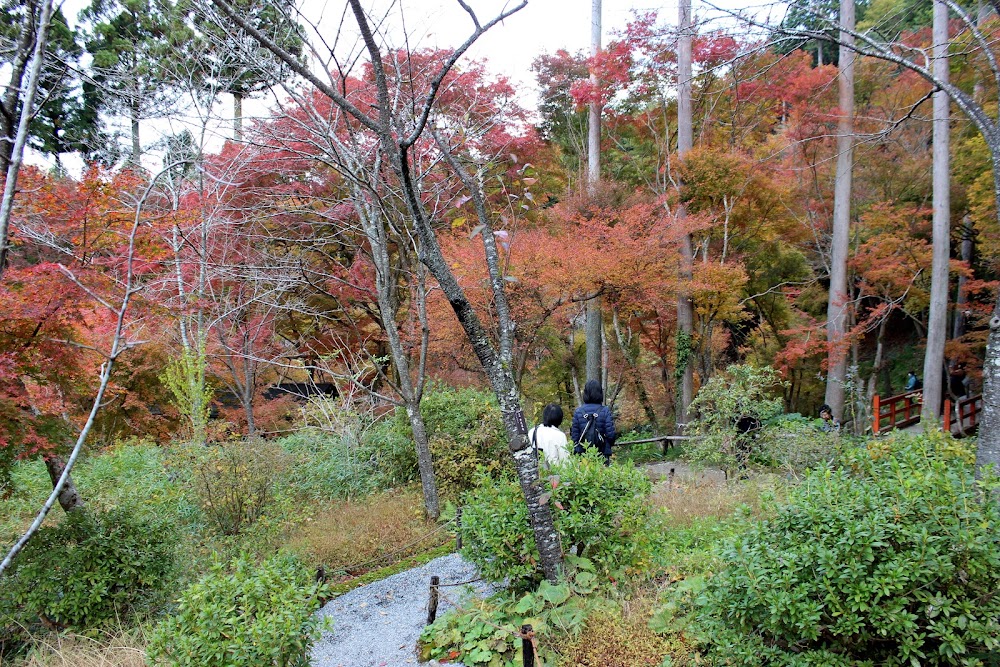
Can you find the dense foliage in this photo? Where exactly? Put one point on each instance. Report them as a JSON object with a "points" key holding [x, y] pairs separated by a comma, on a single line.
{"points": [[92, 570], [892, 558], [601, 512], [244, 614]]}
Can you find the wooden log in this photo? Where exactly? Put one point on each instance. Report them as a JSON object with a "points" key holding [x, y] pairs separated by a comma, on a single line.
{"points": [[527, 647]]}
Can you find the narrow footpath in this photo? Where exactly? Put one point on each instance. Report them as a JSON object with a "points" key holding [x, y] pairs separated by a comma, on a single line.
{"points": [[378, 625]]}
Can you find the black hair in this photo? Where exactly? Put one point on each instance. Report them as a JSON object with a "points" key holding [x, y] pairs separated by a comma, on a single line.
{"points": [[552, 415], [592, 392], [825, 408]]}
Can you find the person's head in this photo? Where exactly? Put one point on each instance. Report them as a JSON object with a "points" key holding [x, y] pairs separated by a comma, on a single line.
{"points": [[913, 373], [825, 412], [592, 392], [552, 415]]}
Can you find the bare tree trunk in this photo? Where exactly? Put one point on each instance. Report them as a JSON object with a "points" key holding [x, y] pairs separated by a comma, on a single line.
{"points": [[68, 497], [937, 320], [15, 152], [595, 323], [836, 325], [685, 141]]}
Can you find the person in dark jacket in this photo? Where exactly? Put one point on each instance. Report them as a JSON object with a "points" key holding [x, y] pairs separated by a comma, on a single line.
{"points": [[591, 419]]}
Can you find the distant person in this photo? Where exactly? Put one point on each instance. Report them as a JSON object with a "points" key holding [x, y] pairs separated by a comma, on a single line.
{"points": [[958, 382], [547, 438], [593, 426], [913, 382], [830, 425]]}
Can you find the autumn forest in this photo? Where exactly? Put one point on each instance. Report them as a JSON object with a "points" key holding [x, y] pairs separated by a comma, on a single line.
{"points": [[400, 224]]}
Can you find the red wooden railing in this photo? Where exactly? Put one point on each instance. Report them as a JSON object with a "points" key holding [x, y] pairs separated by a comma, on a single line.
{"points": [[966, 414], [903, 410], [897, 411]]}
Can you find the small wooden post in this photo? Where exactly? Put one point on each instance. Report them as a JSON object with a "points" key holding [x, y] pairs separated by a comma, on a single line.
{"points": [[527, 648], [876, 409], [432, 604], [946, 416], [670, 479], [458, 529]]}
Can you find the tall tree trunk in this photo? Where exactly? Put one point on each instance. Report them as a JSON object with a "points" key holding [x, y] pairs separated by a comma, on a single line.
{"points": [[937, 320], [685, 141], [136, 146], [988, 449], [595, 323], [838, 303]]}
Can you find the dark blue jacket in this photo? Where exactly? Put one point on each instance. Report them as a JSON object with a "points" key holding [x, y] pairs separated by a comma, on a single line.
{"points": [[605, 423]]}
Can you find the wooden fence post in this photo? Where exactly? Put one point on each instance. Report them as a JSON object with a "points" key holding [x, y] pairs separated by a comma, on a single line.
{"points": [[458, 529], [527, 647], [432, 604]]}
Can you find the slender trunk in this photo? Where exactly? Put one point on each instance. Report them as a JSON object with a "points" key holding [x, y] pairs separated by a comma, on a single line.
{"points": [[68, 497], [594, 318], [13, 157], [375, 230], [237, 117], [961, 298], [685, 141], [838, 304], [879, 363], [136, 147], [937, 320], [631, 355]]}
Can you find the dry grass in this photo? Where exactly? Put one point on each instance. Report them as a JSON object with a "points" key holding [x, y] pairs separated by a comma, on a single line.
{"points": [[688, 502], [620, 638], [368, 533], [120, 650]]}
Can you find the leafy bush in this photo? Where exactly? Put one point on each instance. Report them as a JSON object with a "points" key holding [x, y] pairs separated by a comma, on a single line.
{"points": [[892, 559], [247, 615], [604, 511], [740, 392], [464, 430], [322, 466], [91, 570], [235, 481]]}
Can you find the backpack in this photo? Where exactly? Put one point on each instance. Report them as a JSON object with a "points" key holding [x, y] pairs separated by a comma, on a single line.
{"points": [[591, 434]]}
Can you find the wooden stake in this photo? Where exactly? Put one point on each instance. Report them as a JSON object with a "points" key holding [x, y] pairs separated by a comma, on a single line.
{"points": [[432, 604]]}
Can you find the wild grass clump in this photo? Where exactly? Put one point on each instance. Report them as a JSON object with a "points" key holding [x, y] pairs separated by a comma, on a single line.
{"points": [[373, 532], [123, 648]]}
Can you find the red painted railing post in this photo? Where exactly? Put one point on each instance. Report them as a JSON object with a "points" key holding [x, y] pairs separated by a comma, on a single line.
{"points": [[946, 418], [876, 408]]}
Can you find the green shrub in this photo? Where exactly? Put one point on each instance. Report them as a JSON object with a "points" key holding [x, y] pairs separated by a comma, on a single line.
{"points": [[322, 466], [235, 481], [893, 559], [91, 570], [464, 430], [247, 615], [741, 391], [603, 510]]}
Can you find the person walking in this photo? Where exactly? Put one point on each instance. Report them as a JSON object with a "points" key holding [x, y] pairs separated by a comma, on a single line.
{"points": [[593, 425], [547, 439]]}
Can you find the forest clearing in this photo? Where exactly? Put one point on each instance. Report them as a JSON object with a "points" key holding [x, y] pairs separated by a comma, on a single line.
{"points": [[694, 359]]}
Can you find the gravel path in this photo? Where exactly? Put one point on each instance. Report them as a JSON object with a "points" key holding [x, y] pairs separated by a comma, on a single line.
{"points": [[378, 625]]}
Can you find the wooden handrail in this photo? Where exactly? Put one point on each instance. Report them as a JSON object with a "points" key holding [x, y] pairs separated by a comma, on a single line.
{"points": [[896, 411]]}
